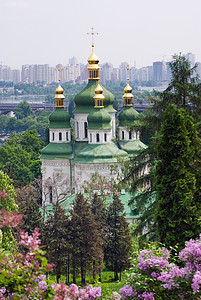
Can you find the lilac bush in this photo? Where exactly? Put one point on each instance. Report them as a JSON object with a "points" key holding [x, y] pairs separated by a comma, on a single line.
{"points": [[154, 277]]}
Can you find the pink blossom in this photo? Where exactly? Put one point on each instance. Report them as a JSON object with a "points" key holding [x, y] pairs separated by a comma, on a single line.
{"points": [[9, 218], [30, 242], [196, 282]]}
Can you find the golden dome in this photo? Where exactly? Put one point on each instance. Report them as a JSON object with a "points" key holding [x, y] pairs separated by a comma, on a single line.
{"points": [[59, 96], [128, 94], [93, 66], [98, 98]]}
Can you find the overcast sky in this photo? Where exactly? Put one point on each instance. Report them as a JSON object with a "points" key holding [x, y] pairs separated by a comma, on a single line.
{"points": [[52, 31]]}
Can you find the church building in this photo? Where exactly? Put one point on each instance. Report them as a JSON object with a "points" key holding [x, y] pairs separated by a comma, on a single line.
{"points": [[66, 164]]}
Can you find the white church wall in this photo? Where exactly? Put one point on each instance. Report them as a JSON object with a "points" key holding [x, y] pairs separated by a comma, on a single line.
{"points": [[79, 126], [55, 138], [56, 179]]}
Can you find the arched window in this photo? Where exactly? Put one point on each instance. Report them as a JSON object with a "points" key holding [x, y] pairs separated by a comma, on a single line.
{"points": [[67, 135], [122, 135], [60, 136], [105, 137], [85, 130], [50, 194], [130, 135], [90, 138], [97, 138], [53, 136]]}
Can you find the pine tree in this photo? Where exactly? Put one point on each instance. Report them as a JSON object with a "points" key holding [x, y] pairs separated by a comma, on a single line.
{"points": [[184, 91], [27, 200], [56, 237], [118, 238], [99, 212], [177, 214], [85, 238]]}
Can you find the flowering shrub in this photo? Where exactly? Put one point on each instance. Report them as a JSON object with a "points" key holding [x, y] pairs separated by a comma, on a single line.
{"points": [[22, 273], [154, 277]]}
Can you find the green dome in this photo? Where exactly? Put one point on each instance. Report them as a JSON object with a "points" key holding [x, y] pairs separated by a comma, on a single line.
{"points": [[99, 119], [57, 151], [59, 118], [85, 102], [127, 116]]}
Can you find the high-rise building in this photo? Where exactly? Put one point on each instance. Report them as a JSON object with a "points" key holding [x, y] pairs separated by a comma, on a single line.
{"points": [[159, 71]]}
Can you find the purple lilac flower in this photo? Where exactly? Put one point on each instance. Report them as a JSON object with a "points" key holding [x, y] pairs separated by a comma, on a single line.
{"points": [[127, 291], [196, 282], [148, 260], [115, 296], [2, 291], [147, 296]]}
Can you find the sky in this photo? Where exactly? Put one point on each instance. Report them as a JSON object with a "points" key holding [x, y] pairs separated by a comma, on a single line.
{"points": [[141, 31]]}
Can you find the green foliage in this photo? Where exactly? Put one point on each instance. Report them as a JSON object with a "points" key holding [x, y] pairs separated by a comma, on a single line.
{"points": [[7, 202], [176, 214], [19, 157], [118, 238], [56, 238], [85, 238], [23, 110]]}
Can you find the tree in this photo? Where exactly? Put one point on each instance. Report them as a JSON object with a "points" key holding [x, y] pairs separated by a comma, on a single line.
{"points": [[23, 110], [184, 92], [7, 202], [28, 198], [56, 237], [177, 214], [84, 238], [118, 238], [19, 157]]}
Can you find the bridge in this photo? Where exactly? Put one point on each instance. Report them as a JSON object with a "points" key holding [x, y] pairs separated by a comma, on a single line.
{"points": [[6, 107]]}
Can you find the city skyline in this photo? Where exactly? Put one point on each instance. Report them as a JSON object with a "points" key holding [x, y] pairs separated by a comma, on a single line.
{"points": [[39, 32]]}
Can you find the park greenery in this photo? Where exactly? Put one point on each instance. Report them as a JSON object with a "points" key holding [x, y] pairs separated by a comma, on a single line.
{"points": [[159, 257]]}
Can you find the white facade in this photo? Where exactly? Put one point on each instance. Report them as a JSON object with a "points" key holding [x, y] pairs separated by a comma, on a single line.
{"points": [[59, 135], [80, 127], [56, 179], [128, 135]]}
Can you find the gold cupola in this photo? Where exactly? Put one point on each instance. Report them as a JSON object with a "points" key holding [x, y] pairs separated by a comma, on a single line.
{"points": [[59, 96], [93, 66], [98, 98], [128, 96]]}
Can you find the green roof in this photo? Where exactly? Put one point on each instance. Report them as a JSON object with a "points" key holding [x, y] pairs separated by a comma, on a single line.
{"points": [[67, 203], [59, 118], [99, 119], [132, 147], [127, 116], [103, 153], [57, 151], [85, 102]]}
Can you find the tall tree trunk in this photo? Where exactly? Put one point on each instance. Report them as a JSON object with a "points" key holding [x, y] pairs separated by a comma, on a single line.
{"points": [[74, 273], [94, 270], [83, 282], [116, 275]]}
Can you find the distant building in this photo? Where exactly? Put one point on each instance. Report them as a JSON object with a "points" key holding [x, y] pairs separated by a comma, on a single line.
{"points": [[191, 58], [159, 71]]}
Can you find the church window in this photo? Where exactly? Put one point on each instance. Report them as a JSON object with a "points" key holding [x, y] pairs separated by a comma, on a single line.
{"points": [[53, 136], [60, 136], [77, 130], [67, 135], [130, 135], [85, 130], [122, 135], [50, 193], [90, 138], [97, 138], [105, 137]]}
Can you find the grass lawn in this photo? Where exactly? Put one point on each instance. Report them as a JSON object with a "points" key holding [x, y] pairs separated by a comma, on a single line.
{"points": [[108, 285]]}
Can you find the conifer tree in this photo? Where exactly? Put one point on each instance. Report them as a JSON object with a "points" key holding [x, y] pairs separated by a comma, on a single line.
{"points": [[177, 214], [27, 200], [56, 237], [100, 215], [84, 238], [184, 91], [118, 238]]}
